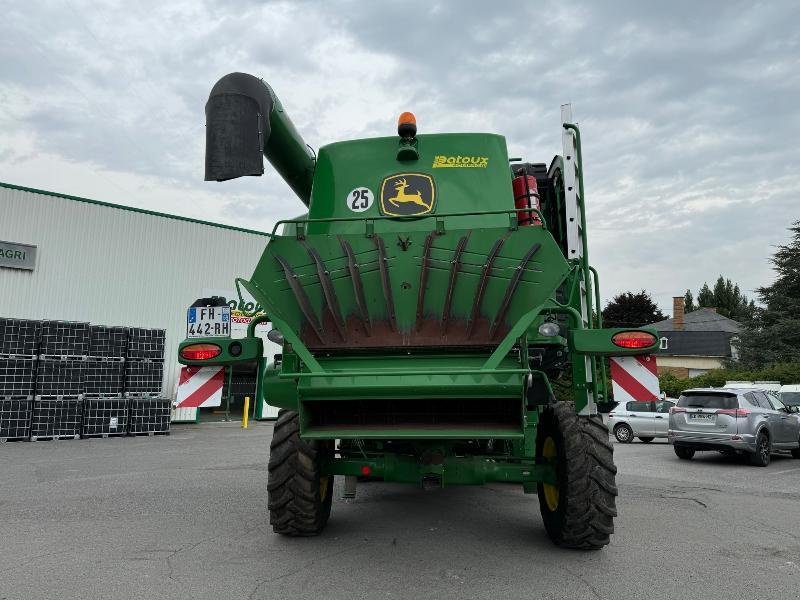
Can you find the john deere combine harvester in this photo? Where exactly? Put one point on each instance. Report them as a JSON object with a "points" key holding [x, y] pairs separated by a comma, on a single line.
{"points": [[425, 305]]}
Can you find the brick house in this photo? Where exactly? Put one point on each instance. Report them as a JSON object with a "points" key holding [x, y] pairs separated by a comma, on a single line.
{"points": [[696, 342]]}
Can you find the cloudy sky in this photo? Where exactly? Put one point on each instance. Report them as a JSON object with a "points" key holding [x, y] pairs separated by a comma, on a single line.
{"points": [[688, 110]]}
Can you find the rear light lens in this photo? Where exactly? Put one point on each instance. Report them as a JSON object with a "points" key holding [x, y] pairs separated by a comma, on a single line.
{"points": [[739, 413], [633, 339], [676, 409], [200, 351]]}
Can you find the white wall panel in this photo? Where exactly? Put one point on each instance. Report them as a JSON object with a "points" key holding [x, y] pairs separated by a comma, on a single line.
{"points": [[114, 266]]}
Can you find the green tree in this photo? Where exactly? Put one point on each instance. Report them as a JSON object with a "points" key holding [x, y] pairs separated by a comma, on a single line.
{"points": [[773, 334], [688, 301], [705, 297], [726, 297], [631, 310]]}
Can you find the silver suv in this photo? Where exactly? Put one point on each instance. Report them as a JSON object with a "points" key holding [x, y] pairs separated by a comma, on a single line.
{"points": [[742, 420]]}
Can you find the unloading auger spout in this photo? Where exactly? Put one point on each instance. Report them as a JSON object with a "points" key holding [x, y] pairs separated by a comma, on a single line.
{"points": [[245, 120]]}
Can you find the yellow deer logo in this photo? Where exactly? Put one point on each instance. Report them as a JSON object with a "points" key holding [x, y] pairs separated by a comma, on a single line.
{"points": [[401, 197]]}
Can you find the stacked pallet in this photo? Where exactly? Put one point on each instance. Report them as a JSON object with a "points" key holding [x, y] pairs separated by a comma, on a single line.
{"points": [[60, 374], [19, 343], [105, 409], [150, 412], [61, 379]]}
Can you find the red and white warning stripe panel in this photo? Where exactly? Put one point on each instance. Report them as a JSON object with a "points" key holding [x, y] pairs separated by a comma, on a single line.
{"points": [[199, 387], [634, 378]]}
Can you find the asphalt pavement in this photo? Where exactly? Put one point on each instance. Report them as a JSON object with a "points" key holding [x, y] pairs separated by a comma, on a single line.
{"points": [[184, 516]]}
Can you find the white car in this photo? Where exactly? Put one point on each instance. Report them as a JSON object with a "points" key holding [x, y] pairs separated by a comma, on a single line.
{"points": [[645, 420], [790, 396]]}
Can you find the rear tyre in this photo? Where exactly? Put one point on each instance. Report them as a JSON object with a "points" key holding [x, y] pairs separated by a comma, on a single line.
{"points": [[796, 451], [623, 433], [646, 440], [299, 496], [761, 457], [684, 453], [579, 509]]}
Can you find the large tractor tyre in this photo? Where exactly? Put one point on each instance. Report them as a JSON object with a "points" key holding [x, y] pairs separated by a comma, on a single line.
{"points": [[579, 510], [299, 496]]}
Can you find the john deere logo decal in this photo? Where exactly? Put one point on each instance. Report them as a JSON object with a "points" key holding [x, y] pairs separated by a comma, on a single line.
{"points": [[407, 195]]}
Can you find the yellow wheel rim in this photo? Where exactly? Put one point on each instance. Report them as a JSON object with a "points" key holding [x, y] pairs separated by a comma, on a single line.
{"points": [[323, 487], [550, 453]]}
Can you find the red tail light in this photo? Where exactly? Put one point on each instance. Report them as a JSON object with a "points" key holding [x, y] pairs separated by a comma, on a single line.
{"points": [[200, 351], [676, 409], [633, 339], [739, 413]]}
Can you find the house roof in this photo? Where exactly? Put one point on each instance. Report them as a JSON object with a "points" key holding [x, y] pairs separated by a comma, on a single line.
{"points": [[697, 343], [702, 319]]}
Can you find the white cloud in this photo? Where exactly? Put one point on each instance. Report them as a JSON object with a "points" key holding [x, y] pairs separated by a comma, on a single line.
{"points": [[688, 110]]}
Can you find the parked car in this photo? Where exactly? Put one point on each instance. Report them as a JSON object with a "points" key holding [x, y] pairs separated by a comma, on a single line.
{"points": [[789, 395], [741, 420], [645, 420]]}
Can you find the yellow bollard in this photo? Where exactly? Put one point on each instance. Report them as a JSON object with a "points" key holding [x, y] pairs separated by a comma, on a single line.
{"points": [[246, 412]]}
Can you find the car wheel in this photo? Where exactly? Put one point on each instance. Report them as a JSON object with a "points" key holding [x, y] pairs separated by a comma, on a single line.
{"points": [[684, 453], [623, 433], [760, 458], [796, 451], [646, 440]]}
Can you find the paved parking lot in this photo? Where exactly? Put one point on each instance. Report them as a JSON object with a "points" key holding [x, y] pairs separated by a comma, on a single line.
{"points": [[184, 517]]}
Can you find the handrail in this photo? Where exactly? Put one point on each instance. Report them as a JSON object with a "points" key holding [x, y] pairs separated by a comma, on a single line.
{"points": [[603, 373], [582, 205], [507, 211], [378, 373]]}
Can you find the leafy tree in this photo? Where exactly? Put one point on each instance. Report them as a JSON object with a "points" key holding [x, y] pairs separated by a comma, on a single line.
{"points": [[631, 310], [726, 297], [688, 301], [773, 334]]}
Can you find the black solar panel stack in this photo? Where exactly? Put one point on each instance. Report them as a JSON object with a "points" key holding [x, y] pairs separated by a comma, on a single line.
{"points": [[17, 375], [19, 345], [60, 376], [104, 415], [144, 362], [15, 417], [146, 344], [64, 338], [108, 342], [56, 417], [19, 337], [242, 384], [148, 414]]}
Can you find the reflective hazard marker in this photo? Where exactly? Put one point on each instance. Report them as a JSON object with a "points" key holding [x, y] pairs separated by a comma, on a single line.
{"points": [[634, 378], [199, 387]]}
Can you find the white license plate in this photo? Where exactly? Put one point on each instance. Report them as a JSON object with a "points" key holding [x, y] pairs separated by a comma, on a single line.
{"points": [[208, 321], [701, 417]]}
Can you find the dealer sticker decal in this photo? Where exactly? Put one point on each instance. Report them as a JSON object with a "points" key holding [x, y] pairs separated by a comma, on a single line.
{"points": [[460, 162]]}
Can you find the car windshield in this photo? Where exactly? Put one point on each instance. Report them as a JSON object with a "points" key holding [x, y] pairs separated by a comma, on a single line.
{"points": [[790, 398], [706, 400]]}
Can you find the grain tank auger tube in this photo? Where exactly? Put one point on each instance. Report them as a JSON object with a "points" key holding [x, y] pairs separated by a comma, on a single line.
{"points": [[425, 306]]}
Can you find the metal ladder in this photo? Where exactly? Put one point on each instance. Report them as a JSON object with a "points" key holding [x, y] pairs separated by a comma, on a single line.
{"points": [[576, 242]]}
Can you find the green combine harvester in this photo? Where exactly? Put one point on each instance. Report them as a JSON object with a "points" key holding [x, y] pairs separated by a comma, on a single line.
{"points": [[426, 305]]}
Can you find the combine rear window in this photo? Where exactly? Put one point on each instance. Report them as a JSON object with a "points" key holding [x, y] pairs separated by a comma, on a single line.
{"points": [[705, 400]]}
